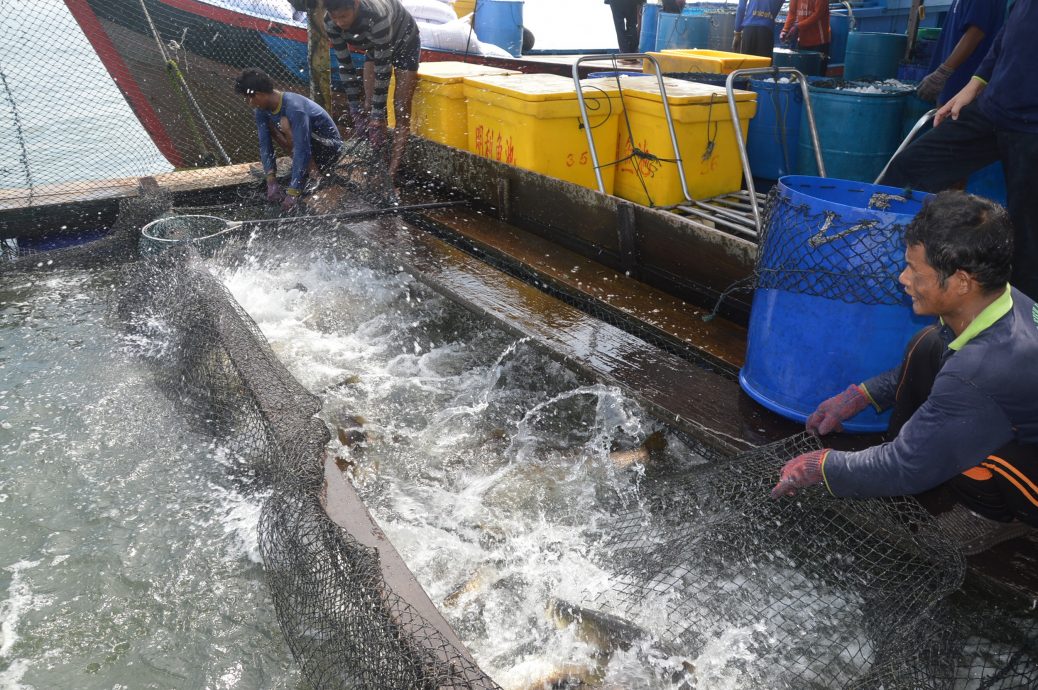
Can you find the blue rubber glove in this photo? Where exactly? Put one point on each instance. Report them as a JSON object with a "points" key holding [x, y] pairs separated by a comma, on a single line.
{"points": [[800, 472], [832, 413]]}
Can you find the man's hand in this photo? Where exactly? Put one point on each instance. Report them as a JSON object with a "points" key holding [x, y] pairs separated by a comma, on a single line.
{"points": [[274, 193], [790, 36], [737, 42], [358, 124], [932, 84], [800, 472], [959, 101], [290, 203], [832, 413]]}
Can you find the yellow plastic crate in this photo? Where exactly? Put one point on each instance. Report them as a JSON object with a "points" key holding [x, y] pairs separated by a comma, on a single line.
{"points": [[438, 112], [704, 61], [533, 121], [706, 141]]}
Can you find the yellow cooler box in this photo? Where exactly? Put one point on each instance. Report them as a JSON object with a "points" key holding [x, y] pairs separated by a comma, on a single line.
{"points": [[705, 135], [533, 121], [704, 61], [438, 112]]}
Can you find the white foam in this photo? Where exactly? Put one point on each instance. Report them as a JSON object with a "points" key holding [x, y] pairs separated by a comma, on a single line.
{"points": [[19, 598], [239, 517]]}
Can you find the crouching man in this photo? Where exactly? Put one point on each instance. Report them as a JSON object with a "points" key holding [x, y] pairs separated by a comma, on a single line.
{"points": [[965, 398], [297, 125]]}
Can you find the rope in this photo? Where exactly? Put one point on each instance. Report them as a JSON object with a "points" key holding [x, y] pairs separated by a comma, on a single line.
{"points": [[23, 157]]}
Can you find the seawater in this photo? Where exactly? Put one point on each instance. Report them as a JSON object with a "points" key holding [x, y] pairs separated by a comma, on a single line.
{"points": [[129, 555]]}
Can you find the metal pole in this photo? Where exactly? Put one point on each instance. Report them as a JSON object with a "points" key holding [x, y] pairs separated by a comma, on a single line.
{"points": [[666, 112], [919, 124]]}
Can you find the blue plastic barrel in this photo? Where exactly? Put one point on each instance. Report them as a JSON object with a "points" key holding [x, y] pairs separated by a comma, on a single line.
{"points": [[774, 132], [500, 22], [839, 28], [828, 311], [911, 71], [914, 109], [873, 55], [809, 62], [858, 131], [647, 38], [676, 31]]}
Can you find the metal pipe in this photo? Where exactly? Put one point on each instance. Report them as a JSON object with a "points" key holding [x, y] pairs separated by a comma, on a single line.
{"points": [[919, 124], [666, 113], [740, 141]]}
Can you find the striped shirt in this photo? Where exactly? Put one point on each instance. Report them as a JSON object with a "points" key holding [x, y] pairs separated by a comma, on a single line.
{"points": [[380, 27]]}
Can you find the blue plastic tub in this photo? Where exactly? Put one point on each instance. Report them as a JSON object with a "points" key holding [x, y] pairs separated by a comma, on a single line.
{"points": [[500, 22], [809, 62], [803, 347], [858, 131], [647, 37], [873, 55], [678, 31], [774, 132]]}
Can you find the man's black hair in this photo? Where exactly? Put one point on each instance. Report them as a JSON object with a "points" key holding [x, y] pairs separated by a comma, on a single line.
{"points": [[253, 81], [334, 5], [672, 6], [963, 231]]}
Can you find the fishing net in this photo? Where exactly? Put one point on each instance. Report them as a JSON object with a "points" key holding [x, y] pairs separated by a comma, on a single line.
{"points": [[159, 76], [343, 622], [809, 592], [808, 249]]}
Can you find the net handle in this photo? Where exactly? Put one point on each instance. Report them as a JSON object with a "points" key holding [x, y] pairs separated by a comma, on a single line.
{"points": [[354, 215]]}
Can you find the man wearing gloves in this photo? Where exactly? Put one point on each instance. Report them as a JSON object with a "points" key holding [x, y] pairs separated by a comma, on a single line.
{"points": [[969, 29], [388, 35], [993, 118], [964, 405], [294, 123], [807, 26], [755, 27]]}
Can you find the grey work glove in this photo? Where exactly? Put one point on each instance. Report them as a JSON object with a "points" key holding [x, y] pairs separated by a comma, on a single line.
{"points": [[737, 42], [930, 87]]}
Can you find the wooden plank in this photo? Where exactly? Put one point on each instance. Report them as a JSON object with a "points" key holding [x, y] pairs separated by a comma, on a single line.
{"points": [[15, 200], [671, 318]]}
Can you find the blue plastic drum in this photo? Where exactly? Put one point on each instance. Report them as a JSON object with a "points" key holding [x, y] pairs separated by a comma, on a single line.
{"points": [[680, 31], [647, 38], [500, 22], [774, 132], [828, 311], [873, 55]]}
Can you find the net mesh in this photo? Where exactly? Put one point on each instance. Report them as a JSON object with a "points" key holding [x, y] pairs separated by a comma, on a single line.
{"points": [[96, 93], [812, 592], [343, 622], [816, 252], [817, 592]]}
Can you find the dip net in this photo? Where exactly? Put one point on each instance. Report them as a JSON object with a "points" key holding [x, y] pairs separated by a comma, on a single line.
{"points": [[726, 584]]}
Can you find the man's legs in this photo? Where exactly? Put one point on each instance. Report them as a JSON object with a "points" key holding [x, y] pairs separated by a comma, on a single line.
{"points": [[758, 40], [625, 20], [1019, 152], [947, 154], [406, 82]]}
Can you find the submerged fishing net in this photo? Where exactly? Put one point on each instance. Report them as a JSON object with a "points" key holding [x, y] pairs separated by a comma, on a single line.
{"points": [[343, 622], [809, 592]]}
